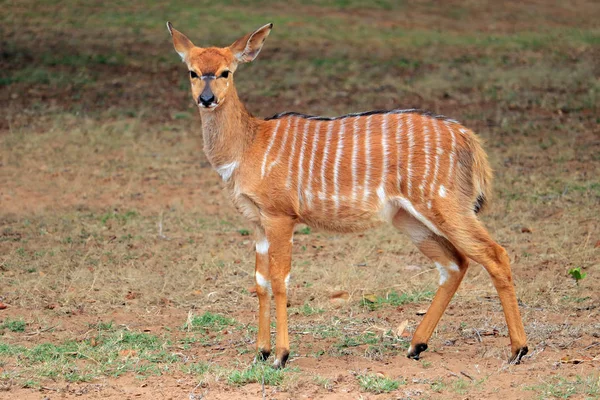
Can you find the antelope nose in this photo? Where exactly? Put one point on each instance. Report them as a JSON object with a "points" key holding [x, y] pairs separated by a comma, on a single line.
{"points": [[207, 99]]}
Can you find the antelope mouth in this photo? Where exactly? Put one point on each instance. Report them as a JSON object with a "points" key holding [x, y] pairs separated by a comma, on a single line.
{"points": [[210, 106]]}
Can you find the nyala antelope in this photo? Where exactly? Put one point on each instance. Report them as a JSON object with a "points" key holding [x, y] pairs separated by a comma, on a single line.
{"points": [[425, 174]]}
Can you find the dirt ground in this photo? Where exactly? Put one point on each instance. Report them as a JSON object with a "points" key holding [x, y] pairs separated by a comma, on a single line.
{"points": [[126, 273]]}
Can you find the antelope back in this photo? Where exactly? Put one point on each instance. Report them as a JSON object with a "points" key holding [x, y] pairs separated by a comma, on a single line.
{"points": [[343, 173]]}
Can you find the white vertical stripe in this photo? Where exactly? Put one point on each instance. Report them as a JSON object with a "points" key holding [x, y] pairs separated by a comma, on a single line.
{"points": [[354, 156], [399, 152], [384, 155], [438, 152], [283, 143], [426, 153], [323, 194], [367, 179], [336, 167], [271, 142], [451, 158], [410, 145], [300, 168], [288, 183], [316, 135]]}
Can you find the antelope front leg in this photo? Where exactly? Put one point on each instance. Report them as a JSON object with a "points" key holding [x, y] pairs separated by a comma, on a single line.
{"points": [[261, 275], [279, 234]]}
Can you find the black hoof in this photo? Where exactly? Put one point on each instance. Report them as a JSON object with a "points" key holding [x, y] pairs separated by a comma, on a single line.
{"points": [[516, 358], [280, 362], [414, 352], [262, 355]]}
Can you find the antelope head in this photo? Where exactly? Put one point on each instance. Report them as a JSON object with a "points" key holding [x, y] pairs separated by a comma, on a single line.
{"points": [[211, 69]]}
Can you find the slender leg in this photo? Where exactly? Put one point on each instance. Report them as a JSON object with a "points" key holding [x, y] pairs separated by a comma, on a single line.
{"points": [[261, 274], [451, 265], [279, 232], [473, 240]]}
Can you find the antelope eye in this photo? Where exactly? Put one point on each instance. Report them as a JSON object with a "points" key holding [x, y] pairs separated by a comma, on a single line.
{"points": [[193, 75], [225, 74]]}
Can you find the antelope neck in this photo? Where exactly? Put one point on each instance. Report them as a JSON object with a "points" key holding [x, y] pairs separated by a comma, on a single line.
{"points": [[227, 131]]}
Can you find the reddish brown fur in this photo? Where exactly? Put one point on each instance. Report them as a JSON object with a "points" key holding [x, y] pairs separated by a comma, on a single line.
{"points": [[425, 175]]}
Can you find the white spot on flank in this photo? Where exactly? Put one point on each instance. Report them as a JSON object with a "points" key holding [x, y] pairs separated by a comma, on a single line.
{"points": [[271, 142], [262, 246], [262, 281], [226, 170], [442, 191]]}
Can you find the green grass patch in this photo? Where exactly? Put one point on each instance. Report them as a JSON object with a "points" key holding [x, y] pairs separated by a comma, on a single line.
{"points": [[307, 310], [208, 321], [378, 384], [109, 353], [257, 373], [196, 369], [325, 383], [394, 299], [559, 387], [121, 218], [14, 325], [359, 340]]}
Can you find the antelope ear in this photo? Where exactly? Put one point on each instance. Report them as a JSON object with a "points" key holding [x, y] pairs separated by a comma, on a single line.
{"points": [[181, 43], [247, 48]]}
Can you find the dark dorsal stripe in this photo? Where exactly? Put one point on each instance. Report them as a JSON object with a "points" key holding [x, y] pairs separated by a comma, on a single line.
{"points": [[362, 114]]}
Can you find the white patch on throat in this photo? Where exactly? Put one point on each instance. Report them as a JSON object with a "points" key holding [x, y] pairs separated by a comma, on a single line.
{"points": [[226, 170], [262, 281], [262, 246]]}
